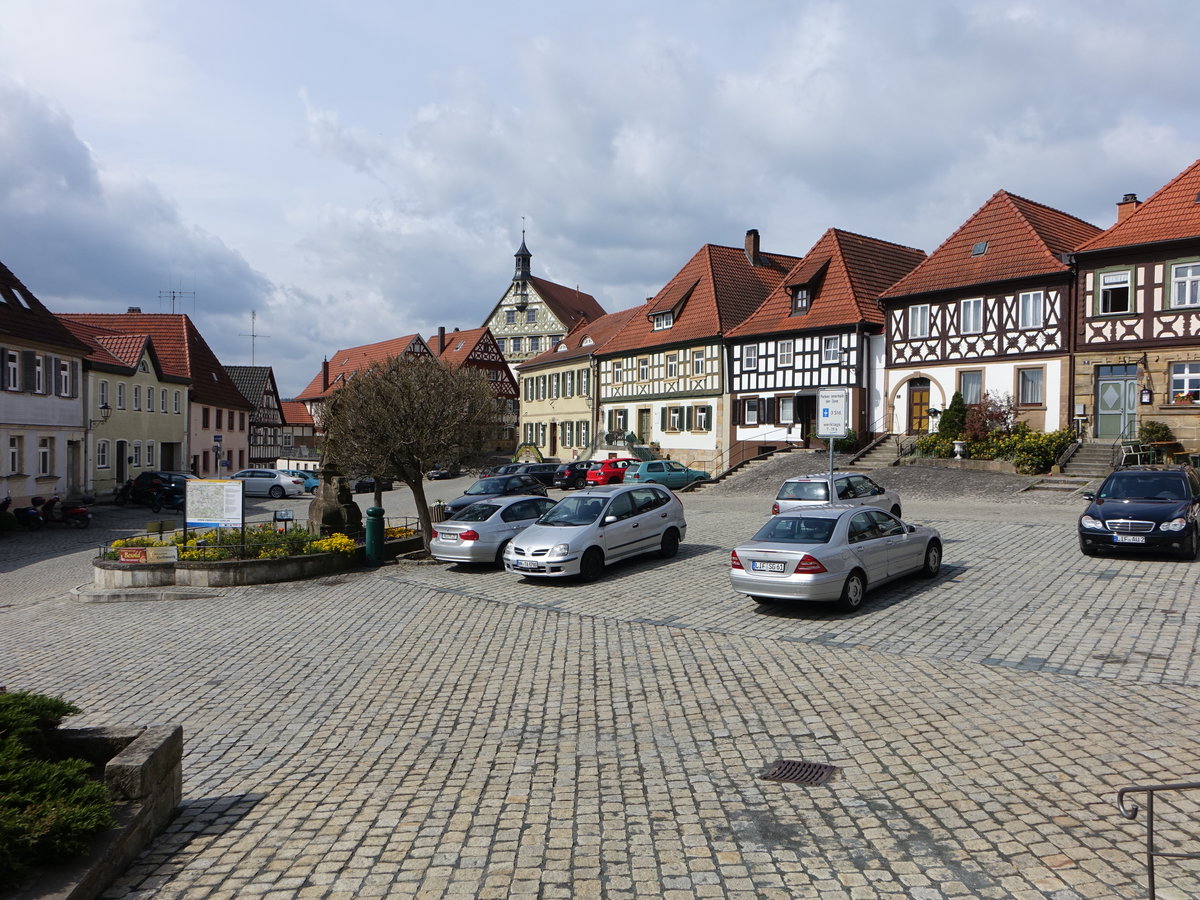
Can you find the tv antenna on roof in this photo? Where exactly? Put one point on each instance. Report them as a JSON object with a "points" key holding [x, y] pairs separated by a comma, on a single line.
{"points": [[176, 295], [253, 335]]}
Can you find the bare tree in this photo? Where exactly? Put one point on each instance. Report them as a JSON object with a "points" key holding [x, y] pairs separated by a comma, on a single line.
{"points": [[398, 417]]}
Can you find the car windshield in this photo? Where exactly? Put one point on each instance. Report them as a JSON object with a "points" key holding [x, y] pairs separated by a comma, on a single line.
{"points": [[1144, 487], [476, 512], [486, 486], [574, 511], [796, 530], [804, 490]]}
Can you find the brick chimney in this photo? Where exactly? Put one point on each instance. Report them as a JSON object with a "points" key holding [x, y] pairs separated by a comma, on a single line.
{"points": [[441, 340], [325, 374], [752, 253], [1128, 204], [134, 309]]}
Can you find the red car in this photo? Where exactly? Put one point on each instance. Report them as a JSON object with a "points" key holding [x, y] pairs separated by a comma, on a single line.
{"points": [[610, 471]]}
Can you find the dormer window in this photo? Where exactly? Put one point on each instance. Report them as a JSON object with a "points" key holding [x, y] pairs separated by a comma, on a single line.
{"points": [[800, 299], [663, 321], [979, 249], [586, 342]]}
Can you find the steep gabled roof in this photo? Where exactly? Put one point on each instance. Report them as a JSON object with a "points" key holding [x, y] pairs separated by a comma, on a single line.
{"points": [[711, 295], [846, 273], [459, 345], [295, 413], [584, 339], [570, 305], [1172, 213], [22, 316], [109, 350], [343, 364], [182, 352], [1018, 239], [252, 381]]}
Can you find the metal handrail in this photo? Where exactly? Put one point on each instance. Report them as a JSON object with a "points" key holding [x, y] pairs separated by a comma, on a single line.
{"points": [[1130, 812]]}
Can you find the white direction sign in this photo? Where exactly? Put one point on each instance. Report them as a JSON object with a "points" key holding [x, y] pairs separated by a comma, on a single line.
{"points": [[833, 406]]}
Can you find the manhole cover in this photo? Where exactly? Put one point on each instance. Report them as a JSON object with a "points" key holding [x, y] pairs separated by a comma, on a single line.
{"points": [[798, 771]]}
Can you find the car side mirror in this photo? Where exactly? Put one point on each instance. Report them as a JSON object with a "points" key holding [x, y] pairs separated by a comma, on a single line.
{"points": [[910, 528], [1088, 495], [608, 520], [880, 490]]}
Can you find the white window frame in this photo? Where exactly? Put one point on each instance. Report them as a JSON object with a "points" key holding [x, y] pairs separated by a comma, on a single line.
{"points": [[12, 370], [663, 321], [785, 354], [700, 418], [510, 317], [970, 315], [137, 398], [1109, 281], [643, 368], [801, 299], [750, 358], [102, 455], [16, 454], [918, 321], [150, 463], [1030, 309], [963, 375], [831, 349], [162, 401], [535, 343], [39, 374], [672, 365], [752, 412], [64, 378], [45, 456], [101, 393], [531, 316], [120, 395], [569, 383], [137, 454], [697, 362], [176, 401], [516, 345], [787, 410], [674, 418], [1040, 381], [585, 382], [583, 436], [618, 371], [1185, 285], [567, 429], [1185, 379]]}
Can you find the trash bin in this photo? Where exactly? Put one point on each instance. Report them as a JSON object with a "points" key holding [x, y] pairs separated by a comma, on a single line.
{"points": [[374, 540]]}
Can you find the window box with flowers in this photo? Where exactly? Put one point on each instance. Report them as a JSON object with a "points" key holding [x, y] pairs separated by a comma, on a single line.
{"points": [[1185, 398]]}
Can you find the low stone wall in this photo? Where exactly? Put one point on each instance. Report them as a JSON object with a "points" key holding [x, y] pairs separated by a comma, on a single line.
{"points": [[143, 769], [112, 574], [981, 465]]}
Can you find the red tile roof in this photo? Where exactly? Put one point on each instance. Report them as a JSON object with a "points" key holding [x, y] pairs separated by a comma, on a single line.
{"points": [[182, 352], [459, 345], [598, 331], [22, 316], [712, 294], [846, 273], [1172, 213], [569, 305], [295, 413], [346, 362], [1022, 239], [109, 349]]}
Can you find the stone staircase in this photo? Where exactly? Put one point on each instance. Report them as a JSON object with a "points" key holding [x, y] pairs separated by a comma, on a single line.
{"points": [[699, 486], [1089, 463], [884, 453]]}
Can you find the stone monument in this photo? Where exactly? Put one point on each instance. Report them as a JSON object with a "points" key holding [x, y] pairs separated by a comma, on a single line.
{"points": [[332, 509]]}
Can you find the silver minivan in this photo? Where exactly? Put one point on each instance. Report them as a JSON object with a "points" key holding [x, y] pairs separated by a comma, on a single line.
{"points": [[596, 526]]}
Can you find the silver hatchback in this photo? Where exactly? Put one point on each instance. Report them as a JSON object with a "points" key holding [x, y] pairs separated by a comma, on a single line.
{"points": [[596, 526], [479, 533], [850, 489]]}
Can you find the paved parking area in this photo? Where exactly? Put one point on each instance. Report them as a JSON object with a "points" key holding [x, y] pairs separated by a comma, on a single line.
{"points": [[423, 730]]}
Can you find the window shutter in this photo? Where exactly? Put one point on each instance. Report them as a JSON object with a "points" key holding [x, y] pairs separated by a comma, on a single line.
{"points": [[768, 411], [737, 411], [708, 418], [74, 378], [27, 363], [663, 417], [687, 422], [611, 420]]}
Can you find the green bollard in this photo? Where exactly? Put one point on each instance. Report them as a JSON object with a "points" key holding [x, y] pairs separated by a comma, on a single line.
{"points": [[374, 545]]}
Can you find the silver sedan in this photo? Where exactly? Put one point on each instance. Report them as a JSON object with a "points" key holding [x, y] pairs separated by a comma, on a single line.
{"points": [[833, 554], [480, 532]]}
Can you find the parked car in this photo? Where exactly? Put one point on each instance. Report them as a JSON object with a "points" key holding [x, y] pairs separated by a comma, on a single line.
{"points": [[572, 474], [269, 483], [543, 472], [146, 485], [367, 485], [833, 554], [443, 470], [308, 476], [850, 488], [587, 530], [478, 533], [1143, 508], [610, 471], [663, 471], [496, 486], [502, 469]]}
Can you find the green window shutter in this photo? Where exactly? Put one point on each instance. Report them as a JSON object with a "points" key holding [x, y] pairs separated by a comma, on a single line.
{"points": [[663, 418], [687, 422]]}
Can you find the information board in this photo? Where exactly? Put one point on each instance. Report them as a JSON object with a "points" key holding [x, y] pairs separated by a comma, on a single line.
{"points": [[214, 503], [833, 412]]}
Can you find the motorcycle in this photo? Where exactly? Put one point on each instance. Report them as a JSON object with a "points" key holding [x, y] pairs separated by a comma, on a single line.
{"points": [[165, 497], [74, 514], [28, 517], [124, 493]]}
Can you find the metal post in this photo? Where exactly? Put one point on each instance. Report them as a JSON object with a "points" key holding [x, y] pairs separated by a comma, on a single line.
{"points": [[1150, 842], [374, 538]]}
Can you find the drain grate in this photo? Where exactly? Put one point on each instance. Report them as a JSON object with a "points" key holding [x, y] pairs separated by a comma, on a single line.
{"points": [[798, 771]]}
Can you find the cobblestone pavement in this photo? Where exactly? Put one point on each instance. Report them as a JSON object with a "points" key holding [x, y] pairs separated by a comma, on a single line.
{"points": [[429, 730]]}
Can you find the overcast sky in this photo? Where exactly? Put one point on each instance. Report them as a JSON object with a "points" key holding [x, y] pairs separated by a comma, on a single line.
{"points": [[358, 171]]}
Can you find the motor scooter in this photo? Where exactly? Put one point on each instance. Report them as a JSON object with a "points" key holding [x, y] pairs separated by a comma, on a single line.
{"points": [[166, 497], [124, 493], [74, 514], [28, 517]]}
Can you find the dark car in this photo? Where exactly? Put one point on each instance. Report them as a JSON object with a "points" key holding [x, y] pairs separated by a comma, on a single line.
{"points": [[147, 484], [543, 472], [1143, 508], [443, 470], [497, 486], [367, 485], [503, 469], [572, 474]]}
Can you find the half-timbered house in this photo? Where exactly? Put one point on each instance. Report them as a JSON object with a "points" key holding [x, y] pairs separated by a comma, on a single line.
{"points": [[1137, 337], [476, 349], [988, 311], [821, 327], [337, 370], [662, 378]]}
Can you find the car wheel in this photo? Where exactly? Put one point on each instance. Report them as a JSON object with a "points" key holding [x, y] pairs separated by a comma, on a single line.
{"points": [[500, 553], [155, 506], [853, 592], [276, 492], [1189, 549], [933, 559], [896, 511], [591, 566], [670, 544], [1086, 549]]}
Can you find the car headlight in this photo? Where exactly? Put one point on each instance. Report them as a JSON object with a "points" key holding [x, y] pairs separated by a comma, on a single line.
{"points": [[558, 551], [1174, 525], [1089, 522]]}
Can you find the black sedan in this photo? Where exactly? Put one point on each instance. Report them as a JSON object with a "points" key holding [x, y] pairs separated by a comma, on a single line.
{"points": [[497, 486], [1143, 508], [543, 472], [572, 474], [367, 485]]}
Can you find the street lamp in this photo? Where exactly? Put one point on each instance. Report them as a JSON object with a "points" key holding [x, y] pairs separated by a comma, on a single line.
{"points": [[105, 412]]}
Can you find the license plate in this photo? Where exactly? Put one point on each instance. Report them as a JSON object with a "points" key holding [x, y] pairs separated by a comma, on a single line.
{"points": [[767, 567], [1129, 539], [524, 564]]}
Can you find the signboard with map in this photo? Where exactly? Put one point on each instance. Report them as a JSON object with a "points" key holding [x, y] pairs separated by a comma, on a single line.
{"points": [[214, 503]]}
